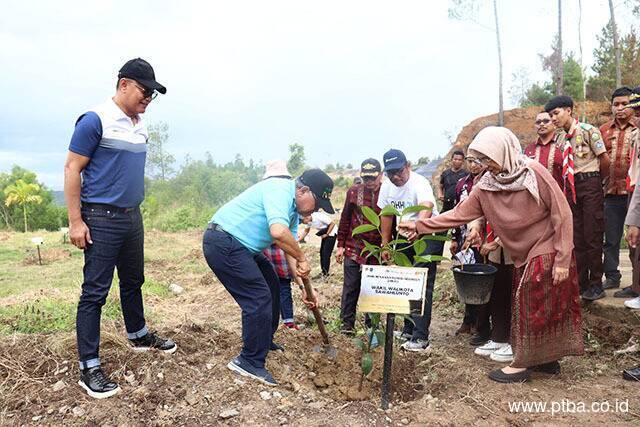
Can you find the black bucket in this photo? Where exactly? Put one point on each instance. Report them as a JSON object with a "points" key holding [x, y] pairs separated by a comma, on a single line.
{"points": [[474, 282]]}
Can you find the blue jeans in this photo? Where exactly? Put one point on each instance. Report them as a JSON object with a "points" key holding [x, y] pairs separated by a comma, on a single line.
{"points": [[253, 283], [419, 329], [286, 300], [118, 242], [615, 211]]}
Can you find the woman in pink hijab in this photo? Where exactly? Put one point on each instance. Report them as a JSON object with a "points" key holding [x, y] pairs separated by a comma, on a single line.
{"points": [[529, 213]]}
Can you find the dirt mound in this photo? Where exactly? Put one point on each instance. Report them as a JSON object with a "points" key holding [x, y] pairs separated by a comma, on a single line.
{"points": [[520, 121], [49, 256]]}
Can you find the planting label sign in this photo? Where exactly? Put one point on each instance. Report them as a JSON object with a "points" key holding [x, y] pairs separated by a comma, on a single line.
{"points": [[391, 289]]}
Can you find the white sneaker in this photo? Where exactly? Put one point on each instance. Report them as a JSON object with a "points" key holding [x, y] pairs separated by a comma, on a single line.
{"points": [[504, 354], [420, 346], [633, 303], [489, 347], [402, 336]]}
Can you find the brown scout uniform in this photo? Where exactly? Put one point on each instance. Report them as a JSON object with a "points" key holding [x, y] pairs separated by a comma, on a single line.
{"points": [[588, 212]]}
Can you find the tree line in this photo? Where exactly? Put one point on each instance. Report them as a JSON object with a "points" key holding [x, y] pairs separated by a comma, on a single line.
{"points": [[616, 59]]}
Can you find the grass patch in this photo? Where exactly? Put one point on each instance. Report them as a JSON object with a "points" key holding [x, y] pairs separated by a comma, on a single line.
{"points": [[10, 255], [48, 315], [151, 287]]}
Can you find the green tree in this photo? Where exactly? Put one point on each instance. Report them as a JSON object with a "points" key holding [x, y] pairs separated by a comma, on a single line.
{"points": [[422, 161], [43, 215], [22, 194], [538, 94], [603, 83], [297, 159], [159, 161], [573, 80]]}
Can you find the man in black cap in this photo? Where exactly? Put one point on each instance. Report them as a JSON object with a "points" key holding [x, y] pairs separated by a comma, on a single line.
{"points": [[104, 186], [266, 213], [350, 247], [585, 170]]}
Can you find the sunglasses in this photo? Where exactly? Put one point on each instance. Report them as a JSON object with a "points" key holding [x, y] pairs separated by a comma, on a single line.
{"points": [[146, 92], [545, 121], [368, 178]]}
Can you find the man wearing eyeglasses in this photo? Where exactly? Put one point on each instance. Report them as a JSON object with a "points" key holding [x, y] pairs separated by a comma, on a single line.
{"points": [[404, 188], [618, 134], [104, 186], [545, 149]]}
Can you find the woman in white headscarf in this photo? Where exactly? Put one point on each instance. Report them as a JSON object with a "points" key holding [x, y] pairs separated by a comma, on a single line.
{"points": [[531, 216]]}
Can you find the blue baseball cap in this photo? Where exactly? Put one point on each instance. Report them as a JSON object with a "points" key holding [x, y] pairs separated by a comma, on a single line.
{"points": [[394, 160]]}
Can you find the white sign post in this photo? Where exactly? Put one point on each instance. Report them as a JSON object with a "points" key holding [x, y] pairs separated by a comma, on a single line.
{"points": [[392, 290]]}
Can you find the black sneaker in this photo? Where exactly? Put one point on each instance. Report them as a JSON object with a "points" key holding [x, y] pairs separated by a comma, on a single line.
{"points": [[97, 384], [276, 347], [625, 293], [152, 340], [244, 368], [611, 284], [594, 293]]}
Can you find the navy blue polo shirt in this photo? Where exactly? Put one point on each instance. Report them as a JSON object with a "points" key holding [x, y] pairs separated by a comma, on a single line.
{"points": [[117, 149]]}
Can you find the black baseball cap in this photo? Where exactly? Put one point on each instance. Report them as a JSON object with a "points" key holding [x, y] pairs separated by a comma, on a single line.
{"points": [[141, 71], [321, 185], [394, 160], [634, 98], [370, 167]]}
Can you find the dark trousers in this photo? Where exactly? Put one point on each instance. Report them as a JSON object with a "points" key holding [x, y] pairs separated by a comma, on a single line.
{"points": [[588, 228], [635, 265], [470, 315], [253, 283], [350, 293], [419, 329], [270, 275], [286, 300], [118, 242], [326, 248], [615, 210], [494, 318]]}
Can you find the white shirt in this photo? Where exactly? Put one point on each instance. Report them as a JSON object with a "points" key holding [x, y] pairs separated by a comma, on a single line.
{"points": [[415, 191], [322, 220]]}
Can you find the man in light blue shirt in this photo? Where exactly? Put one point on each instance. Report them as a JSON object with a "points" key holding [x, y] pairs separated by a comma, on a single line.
{"points": [[266, 213]]}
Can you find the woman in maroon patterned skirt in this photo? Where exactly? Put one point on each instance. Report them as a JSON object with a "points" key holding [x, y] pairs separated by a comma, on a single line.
{"points": [[529, 213]]}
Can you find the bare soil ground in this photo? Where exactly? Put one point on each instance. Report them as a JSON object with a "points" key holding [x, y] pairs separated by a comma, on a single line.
{"points": [[449, 386]]}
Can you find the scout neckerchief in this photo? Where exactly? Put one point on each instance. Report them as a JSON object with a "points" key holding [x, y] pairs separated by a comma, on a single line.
{"points": [[567, 161]]}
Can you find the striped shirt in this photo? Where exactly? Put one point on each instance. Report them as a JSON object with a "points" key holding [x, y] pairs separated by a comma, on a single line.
{"points": [[117, 149]]}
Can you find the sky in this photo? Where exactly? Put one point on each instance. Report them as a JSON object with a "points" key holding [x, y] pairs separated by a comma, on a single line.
{"points": [[347, 79]]}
